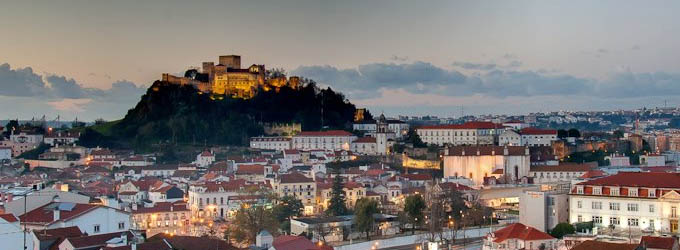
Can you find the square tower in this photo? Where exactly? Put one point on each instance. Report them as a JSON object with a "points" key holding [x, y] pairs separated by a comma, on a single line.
{"points": [[231, 61]]}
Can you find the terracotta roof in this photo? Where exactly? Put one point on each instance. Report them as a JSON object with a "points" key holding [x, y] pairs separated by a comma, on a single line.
{"points": [[291, 151], [467, 125], [193, 243], [366, 139], [96, 169], [485, 150], [658, 242], [600, 245], [57, 233], [417, 177], [295, 178], [562, 168], [498, 171], [9, 217], [97, 240], [521, 232], [255, 169], [162, 207], [325, 133], [454, 186], [44, 214], [537, 131], [638, 179], [290, 242], [156, 245]]}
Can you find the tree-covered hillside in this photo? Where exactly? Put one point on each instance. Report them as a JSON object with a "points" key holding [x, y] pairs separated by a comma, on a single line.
{"points": [[173, 114]]}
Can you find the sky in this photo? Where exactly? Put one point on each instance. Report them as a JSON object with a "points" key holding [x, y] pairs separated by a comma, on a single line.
{"points": [[94, 59]]}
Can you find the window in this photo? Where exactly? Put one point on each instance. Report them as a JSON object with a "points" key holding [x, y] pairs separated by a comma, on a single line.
{"points": [[651, 193], [597, 219], [579, 189], [633, 222], [579, 218], [651, 223], [597, 205], [674, 212], [651, 208], [632, 207], [614, 221], [121, 225], [632, 192], [614, 206], [579, 204], [597, 190], [97, 228], [614, 191]]}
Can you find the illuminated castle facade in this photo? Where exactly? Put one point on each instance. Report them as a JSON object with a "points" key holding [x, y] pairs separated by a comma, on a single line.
{"points": [[228, 78]]}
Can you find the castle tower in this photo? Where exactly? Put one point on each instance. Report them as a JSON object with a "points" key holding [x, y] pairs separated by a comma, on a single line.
{"points": [[231, 61], [209, 68]]}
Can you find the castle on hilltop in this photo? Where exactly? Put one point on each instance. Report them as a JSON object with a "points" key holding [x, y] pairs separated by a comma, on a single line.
{"points": [[228, 78]]}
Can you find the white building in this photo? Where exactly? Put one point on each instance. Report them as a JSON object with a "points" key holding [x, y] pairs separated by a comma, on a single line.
{"points": [[278, 143], [533, 137], [90, 218], [564, 172], [299, 186], [323, 140], [510, 138], [397, 128], [469, 133], [543, 210], [618, 160], [11, 234], [205, 158], [214, 199], [61, 138], [516, 125], [364, 146], [518, 236], [478, 162], [636, 200], [652, 160]]}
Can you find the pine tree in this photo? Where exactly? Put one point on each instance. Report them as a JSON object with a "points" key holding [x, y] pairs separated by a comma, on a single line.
{"points": [[337, 204]]}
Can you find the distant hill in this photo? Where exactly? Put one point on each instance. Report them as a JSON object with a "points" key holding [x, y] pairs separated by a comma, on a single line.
{"points": [[170, 113]]}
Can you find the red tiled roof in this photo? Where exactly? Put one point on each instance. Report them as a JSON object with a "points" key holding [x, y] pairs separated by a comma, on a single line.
{"points": [[97, 240], [521, 232], [417, 177], [9, 217], [162, 207], [658, 242], [601, 245], [638, 179], [56, 233], [44, 215], [325, 133], [156, 245], [193, 243], [454, 186], [290, 242], [485, 150], [291, 151], [537, 131], [250, 169], [562, 168], [295, 178], [366, 139]]}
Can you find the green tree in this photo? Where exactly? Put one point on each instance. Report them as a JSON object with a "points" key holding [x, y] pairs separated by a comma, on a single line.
{"points": [[574, 133], [413, 138], [250, 220], [337, 205], [288, 207], [562, 229], [414, 206], [363, 215]]}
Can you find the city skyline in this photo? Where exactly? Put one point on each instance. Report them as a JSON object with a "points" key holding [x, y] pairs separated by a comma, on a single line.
{"points": [[95, 60]]}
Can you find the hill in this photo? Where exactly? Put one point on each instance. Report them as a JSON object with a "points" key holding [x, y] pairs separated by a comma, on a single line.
{"points": [[175, 114]]}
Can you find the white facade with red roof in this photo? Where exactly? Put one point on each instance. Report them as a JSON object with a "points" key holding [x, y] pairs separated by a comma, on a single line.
{"points": [[299, 186], [90, 218], [479, 162], [635, 200], [469, 133], [534, 137], [324, 140], [365, 146], [205, 158], [212, 198], [519, 236]]}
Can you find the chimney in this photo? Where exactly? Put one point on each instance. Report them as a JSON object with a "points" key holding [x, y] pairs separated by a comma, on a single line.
{"points": [[56, 214]]}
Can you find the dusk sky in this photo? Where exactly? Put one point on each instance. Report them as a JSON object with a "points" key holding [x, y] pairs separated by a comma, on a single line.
{"points": [[94, 59]]}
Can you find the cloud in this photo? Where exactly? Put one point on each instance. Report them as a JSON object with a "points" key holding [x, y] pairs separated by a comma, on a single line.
{"points": [[59, 93], [635, 47], [475, 66], [369, 81], [399, 58]]}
